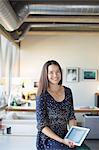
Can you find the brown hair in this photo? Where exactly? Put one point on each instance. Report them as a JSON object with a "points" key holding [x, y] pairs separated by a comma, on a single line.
{"points": [[43, 82]]}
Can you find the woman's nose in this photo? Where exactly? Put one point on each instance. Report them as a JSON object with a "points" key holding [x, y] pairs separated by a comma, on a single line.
{"points": [[55, 74]]}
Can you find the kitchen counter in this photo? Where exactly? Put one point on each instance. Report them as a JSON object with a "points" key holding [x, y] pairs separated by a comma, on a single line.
{"points": [[32, 108]]}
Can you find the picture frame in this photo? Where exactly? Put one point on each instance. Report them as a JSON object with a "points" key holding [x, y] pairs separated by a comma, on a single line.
{"points": [[89, 74], [72, 74]]}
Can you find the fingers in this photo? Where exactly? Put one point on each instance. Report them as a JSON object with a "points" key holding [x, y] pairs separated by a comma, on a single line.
{"points": [[71, 144]]}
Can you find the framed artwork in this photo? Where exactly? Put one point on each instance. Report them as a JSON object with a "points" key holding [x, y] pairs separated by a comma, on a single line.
{"points": [[89, 74], [72, 74]]}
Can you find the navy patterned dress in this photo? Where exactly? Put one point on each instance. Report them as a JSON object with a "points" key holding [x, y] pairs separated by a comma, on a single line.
{"points": [[56, 116]]}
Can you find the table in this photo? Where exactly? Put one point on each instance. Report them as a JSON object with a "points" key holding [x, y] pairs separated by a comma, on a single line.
{"points": [[86, 110], [33, 109], [26, 107], [20, 108]]}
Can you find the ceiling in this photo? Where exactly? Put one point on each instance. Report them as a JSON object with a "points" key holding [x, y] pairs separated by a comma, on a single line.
{"points": [[21, 17]]}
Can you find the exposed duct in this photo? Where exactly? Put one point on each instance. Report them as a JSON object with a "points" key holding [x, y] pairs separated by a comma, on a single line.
{"points": [[64, 9], [15, 15], [12, 21], [49, 27], [8, 18]]}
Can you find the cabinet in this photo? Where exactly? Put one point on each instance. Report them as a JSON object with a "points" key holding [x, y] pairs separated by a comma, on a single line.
{"points": [[92, 121], [97, 100]]}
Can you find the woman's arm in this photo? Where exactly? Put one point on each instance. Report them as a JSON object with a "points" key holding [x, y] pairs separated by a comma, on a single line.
{"points": [[72, 122], [47, 131], [72, 118]]}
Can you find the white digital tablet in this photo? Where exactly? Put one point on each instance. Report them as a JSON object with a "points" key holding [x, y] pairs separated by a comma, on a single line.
{"points": [[77, 134]]}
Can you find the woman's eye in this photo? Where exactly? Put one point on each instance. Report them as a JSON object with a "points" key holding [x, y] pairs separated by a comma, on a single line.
{"points": [[58, 72], [50, 73], [54, 73]]}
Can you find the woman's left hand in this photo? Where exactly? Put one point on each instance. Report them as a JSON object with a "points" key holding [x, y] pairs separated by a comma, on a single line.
{"points": [[69, 143]]}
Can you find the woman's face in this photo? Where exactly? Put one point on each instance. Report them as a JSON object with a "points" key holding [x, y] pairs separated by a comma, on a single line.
{"points": [[54, 74]]}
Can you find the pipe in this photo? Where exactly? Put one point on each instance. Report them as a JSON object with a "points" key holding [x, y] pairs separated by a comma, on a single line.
{"points": [[11, 21], [64, 9], [14, 22], [8, 18]]}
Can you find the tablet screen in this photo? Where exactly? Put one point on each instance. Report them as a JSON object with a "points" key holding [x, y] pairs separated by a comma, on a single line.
{"points": [[77, 134]]}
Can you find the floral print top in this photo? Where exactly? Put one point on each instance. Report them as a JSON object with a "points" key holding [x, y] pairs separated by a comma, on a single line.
{"points": [[53, 114]]}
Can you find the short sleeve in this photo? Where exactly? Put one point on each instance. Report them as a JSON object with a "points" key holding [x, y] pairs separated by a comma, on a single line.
{"points": [[41, 113]]}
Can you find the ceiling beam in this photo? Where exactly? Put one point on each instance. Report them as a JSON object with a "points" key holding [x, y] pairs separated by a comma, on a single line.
{"points": [[66, 19]]}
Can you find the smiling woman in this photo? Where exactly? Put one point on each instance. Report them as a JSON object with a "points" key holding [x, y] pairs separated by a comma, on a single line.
{"points": [[54, 108]]}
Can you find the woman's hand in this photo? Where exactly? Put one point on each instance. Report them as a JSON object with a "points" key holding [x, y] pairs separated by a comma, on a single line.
{"points": [[69, 143]]}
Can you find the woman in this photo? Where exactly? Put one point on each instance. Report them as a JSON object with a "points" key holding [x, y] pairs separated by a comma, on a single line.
{"points": [[54, 109]]}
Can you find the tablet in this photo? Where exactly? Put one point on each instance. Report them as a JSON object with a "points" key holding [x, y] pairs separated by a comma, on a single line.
{"points": [[77, 134]]}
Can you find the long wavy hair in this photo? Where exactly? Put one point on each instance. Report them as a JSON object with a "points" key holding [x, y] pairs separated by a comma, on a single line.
{"points": [[43, 82]]}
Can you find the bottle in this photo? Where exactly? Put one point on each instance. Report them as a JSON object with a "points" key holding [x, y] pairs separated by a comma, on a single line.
{"points": [[23, 96], [23, 85], [14, 102]]}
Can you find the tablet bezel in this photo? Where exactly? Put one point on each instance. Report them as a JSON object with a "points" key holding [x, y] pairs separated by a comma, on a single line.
{"points": [[85, 132]]}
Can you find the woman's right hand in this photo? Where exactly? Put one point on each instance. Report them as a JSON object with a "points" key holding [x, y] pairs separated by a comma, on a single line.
{"points": [[69, 143]]}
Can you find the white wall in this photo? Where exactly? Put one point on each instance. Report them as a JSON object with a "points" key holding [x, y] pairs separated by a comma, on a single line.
{"points": [[70, 50]]}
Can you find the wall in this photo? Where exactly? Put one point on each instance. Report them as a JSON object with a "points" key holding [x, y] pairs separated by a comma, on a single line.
{"points": [[70, 50]]}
